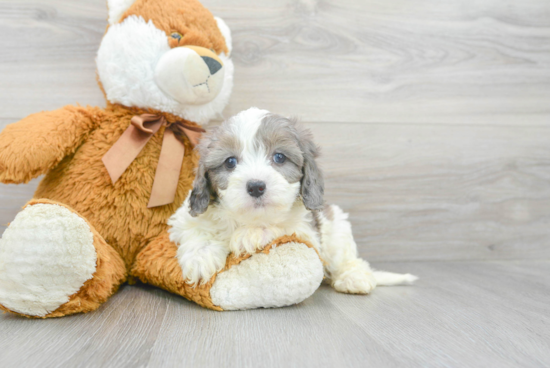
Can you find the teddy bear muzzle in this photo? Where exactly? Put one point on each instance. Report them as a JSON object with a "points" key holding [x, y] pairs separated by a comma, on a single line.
{"points": [[190, 74]]}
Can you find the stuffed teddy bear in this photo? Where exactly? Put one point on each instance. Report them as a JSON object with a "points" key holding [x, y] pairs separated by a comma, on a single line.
{"points": [[114, 175]]}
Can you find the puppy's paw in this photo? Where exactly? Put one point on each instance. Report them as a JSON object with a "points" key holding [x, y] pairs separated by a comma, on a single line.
{"points": [[198, 264], [355, 282], [250, 239], [357, 279]]}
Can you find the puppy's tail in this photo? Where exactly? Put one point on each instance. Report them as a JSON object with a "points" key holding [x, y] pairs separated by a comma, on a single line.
{"points": [[388, 278]]}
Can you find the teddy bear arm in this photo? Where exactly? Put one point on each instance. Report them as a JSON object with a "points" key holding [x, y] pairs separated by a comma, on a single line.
{"points": [[37, 143]]}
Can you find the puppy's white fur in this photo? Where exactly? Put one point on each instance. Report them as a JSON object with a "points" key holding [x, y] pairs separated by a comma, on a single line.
{"points": [[236, 222]]}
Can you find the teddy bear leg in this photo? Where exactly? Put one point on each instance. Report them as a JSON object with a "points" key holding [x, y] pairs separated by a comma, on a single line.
{"points": [[54, 263], [278, 276], [286, 272]]}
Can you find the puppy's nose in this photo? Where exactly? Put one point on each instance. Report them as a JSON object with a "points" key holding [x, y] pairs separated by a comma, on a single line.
{"points": [[255, 188]]}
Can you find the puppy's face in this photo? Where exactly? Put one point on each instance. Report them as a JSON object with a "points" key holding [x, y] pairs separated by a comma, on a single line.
{"points": [[255, 165]]}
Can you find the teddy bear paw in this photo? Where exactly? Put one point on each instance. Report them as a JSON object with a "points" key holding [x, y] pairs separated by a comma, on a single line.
{"points": [[46, 255], [286, 275]]}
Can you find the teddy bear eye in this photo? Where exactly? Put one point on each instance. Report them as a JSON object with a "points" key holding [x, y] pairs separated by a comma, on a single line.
{"points": [[176, 35]]}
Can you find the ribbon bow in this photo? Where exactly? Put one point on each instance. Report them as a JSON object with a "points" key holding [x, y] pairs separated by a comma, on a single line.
{"points": [[132, 141]]}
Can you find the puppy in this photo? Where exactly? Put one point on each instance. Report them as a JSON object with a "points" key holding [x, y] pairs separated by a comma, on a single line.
{"points": [[257, 180]]}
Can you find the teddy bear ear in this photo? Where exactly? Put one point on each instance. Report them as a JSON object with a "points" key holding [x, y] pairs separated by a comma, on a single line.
{"points": [[117, 8]]}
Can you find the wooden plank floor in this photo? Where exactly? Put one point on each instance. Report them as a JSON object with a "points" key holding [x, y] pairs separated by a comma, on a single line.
{"points": [[434, 119], [460, 314]]}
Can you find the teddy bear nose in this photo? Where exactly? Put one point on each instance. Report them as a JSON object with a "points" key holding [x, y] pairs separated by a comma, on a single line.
{"points": [[213, 64], [255, 188], [191, 75]]}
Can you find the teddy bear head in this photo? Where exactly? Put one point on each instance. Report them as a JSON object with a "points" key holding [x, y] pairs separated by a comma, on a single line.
{"points": [[168, 55]]}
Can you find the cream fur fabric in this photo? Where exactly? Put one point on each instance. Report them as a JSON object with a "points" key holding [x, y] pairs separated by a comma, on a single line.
{"points": [[287, 275], [46, 255]]}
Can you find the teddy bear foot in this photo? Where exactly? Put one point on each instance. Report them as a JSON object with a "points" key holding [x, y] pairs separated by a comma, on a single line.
{"points": [[286, 275], [47, 254]]}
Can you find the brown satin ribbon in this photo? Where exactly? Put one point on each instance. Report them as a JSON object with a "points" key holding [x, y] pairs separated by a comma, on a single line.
{"points": [[132, 141]]}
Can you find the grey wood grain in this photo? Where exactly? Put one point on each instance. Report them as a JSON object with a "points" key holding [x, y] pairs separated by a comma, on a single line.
{"points": [[434, 121], [460, 314], [48, 57], [463, 62], [418, 192], [12, 198]]}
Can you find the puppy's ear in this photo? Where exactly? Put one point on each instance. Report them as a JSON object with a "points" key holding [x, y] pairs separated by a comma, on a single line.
{"points": [[200, 195], [313, 185], [199, 200]]}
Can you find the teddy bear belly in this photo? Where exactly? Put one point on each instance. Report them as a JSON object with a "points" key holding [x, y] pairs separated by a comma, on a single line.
{"points": [[117, 211]]}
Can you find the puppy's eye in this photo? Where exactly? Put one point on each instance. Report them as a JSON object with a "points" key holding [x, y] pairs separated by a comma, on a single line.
{"points": [[176, 36], [231, 162], [279, 158]]}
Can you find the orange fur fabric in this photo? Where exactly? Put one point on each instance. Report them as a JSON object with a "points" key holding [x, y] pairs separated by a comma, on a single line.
{"points": [[118, 211], [72, 141], [187, 17]]}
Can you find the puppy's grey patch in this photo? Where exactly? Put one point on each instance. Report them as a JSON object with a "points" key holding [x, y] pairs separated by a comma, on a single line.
{"points": [[223, 143], [218, 146], [214, 148], [219, 178], [278, 134], [201, 193], [313, 185]]}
